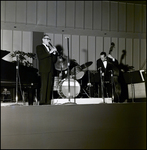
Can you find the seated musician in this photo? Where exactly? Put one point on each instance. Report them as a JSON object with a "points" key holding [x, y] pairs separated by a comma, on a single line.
{"points": [[61, 65]]}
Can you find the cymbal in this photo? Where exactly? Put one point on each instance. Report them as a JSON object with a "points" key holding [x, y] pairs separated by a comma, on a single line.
{"points": [[61, 64], [86, 65]]}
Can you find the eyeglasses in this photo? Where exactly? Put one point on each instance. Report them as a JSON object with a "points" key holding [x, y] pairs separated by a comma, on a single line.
{"points": [[47, 38]]}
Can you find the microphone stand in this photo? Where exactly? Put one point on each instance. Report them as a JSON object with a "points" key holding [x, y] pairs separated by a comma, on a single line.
{"points": [[17, 73], [102, 86], [68, 62], [112, 80]]}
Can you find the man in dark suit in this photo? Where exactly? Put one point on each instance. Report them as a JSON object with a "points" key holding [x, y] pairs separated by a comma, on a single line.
{"points": [[47, 55], [104, 67]]}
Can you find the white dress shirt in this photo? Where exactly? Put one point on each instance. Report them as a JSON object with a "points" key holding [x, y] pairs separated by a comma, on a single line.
{"points": [[105, 63], [46, 47]]}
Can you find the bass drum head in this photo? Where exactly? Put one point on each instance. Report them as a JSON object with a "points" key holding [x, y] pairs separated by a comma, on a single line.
{"points": [[63, 90]]}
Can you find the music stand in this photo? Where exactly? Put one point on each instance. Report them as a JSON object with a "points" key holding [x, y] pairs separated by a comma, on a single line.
{"points": [[133, 77]]}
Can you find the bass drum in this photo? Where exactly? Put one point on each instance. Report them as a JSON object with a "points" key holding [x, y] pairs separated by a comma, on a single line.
{"points": [[74, 88]]}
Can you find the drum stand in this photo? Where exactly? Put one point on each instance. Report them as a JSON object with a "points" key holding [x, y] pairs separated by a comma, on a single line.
{"points": [[68, 62]]}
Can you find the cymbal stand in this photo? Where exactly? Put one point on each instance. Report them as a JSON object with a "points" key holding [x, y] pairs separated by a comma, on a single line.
{"points": [[88, 84]]}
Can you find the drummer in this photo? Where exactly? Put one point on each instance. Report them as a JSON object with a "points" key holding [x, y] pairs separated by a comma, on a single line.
{"points": [[61, 64]]}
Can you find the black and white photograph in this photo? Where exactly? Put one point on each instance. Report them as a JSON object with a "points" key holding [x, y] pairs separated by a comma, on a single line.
{"points": [[73, 74]]}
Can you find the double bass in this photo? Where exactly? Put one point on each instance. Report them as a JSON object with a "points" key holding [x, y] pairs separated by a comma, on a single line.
{"points": [[116, 87]]}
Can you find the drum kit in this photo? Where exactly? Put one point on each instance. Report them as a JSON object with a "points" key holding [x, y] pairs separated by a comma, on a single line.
{"points": [[76, 73]]}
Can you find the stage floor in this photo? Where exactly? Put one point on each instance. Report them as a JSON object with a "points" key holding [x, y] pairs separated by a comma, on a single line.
{"points": [[82, 126]]}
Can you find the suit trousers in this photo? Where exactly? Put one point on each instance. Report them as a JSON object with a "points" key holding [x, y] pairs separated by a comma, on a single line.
{"points": [[46, 87]]}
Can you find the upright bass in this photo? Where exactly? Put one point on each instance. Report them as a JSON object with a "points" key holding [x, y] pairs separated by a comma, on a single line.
{"points": [[116, 87]]}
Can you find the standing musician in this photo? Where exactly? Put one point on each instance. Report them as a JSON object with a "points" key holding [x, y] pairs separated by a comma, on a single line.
{"points": [[47, 55], [104, 70], [107, 66]]}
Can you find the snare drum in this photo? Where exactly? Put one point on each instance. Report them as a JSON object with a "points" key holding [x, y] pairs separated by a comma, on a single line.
{"points": [[74, 88], [77, 72]]}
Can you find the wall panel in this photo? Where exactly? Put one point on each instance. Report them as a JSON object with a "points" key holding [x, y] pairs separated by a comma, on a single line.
{"points": [[115, 49], [136, 54], [67, 45], [91, 52], [70, 14], [17, 41], [75, 48], [7, 43], [83, 49], [93, 15], [21, 12], [2, 39], [97, 15], [51, 13], [10, 11], [122, 17], [121, 46], [3, 10], [79, 22], [37, 36], [129, 51], [130, 18], [107, 44], [138, 18], [31, 12], [61, 13], [41, 12], [99, 47], [58, 39], [143, 59], [88, 14], [27, 42], [114, 16], [144, 19], [80, 46], [105, 16]]}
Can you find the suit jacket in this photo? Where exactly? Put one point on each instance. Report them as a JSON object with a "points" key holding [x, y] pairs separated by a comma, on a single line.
{"points": [[106, 71], [46, 60]]}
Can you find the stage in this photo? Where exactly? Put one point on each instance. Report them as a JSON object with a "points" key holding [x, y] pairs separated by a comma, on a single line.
{"points": [[86, 124]]}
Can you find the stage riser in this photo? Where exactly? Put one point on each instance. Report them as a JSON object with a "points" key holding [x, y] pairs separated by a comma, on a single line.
{"points": [[81, 101]]}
